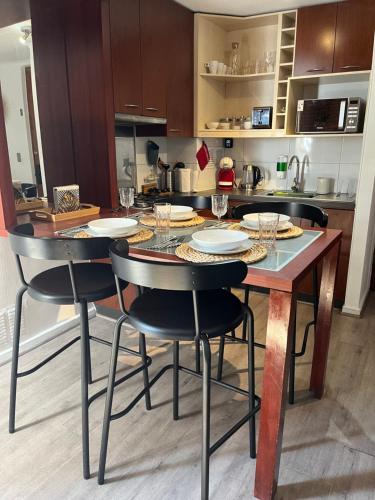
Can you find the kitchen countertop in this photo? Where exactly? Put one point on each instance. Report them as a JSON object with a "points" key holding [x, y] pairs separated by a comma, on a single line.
{"points": [[342, 202]]}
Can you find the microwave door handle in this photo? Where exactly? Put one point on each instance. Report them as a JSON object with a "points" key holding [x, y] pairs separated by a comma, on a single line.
{"points": [[342, 114]]}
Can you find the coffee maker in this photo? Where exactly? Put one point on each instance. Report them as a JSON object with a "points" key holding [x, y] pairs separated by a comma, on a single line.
{"points": [[251, 177], [226, 175]]}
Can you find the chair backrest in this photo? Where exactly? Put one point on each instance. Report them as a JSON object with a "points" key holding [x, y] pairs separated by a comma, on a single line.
{"points": [[198, 202], [24, 243], [175, 276], [315, 215]]}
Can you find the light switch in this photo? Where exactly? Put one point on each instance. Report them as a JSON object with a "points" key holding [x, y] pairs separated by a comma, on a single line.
{"points": [[19, 159]]}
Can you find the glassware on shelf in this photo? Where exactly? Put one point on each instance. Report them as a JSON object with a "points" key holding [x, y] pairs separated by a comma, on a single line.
{"points": [[126, 198], [219, 204], [235, 59], [269, 59]]}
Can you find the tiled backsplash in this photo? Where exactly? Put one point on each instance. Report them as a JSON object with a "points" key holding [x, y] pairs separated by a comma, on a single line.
{"points": [[334, 157]]}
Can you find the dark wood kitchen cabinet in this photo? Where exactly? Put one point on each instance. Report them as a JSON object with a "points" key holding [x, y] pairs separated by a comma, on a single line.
{"points": [[155, 38], [180, 85], [315, 39], [152, 45], [126, 56], [354, 35]]}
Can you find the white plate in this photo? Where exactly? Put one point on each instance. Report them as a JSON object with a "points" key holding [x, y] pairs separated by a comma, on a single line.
{"points": [[131, 232], [112, 225], [183, 216], [253, 219], [178, 209], [219, 239], [243, 247], [281, 227]]}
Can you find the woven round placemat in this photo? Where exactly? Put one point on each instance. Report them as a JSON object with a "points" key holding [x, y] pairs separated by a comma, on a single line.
{"points": [[143, 235], [293, 232], [254, 254], [195, 221]]}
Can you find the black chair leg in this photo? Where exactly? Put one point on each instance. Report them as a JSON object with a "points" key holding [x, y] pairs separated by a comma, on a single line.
{"points": [[246, 302], [146, 382], [205, 471], [197, 356], [109, 399], [220, 361], [176, 362], [15, 354], [292, 368], [251, 382], [84, 389], [89, 370]]}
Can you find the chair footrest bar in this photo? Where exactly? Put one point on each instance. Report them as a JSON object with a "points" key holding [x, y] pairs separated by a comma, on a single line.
{"points": [[232, 430], [120, 380], [140, 395], [160, 373], [49, 358], [121, 348], [242, 341], [304, 342]]}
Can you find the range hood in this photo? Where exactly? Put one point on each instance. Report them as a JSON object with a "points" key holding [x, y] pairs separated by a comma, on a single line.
{"points": [[124, 119]]}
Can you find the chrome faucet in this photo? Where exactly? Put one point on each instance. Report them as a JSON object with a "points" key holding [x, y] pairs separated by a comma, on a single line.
{"points": [[305, 164], [296, 181]]}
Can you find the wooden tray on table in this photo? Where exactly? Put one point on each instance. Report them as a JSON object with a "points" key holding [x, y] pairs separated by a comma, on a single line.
{"points": [[47, 214]]}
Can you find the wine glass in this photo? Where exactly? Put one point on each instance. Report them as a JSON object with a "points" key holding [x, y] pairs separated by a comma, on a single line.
{"points": [[126, 198], [219, 205]]}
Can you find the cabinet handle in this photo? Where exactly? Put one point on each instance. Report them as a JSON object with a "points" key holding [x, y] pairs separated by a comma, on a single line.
{"points": [[350, 66], [175, 130], [313, 70], [152, 109], [131, 106]]}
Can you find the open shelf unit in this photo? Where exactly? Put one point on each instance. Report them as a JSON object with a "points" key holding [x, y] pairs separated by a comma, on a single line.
{"points": [[330, 85], [226, 95]]}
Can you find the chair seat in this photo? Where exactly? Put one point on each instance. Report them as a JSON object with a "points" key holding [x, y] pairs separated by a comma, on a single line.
{"points": [[95, 281], [169, 315]]}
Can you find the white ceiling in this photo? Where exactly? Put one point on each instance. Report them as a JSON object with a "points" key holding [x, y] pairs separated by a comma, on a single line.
{"points": [[10, 47], [247, 7]]}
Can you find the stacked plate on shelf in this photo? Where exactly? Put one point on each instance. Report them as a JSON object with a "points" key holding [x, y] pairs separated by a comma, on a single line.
{"points": [[113, 227], [251, 221], [220, 241], [182, 212]]}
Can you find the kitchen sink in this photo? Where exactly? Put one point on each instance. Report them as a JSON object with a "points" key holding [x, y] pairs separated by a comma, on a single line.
{"points": [[291, 194]]}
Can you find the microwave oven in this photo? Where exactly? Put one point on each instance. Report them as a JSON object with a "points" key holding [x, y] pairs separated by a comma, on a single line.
{"points": [[330, 116]]}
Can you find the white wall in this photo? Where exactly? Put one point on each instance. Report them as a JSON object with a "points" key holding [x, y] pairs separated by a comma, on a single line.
{"points": [[362, 248], [14, 98]]}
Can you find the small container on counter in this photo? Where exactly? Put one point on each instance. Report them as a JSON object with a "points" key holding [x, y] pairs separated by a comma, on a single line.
{"points": [[282, 166]]}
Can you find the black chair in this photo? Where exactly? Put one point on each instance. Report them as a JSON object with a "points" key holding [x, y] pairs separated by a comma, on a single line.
{"points": [[197, 202], [182, 302], [72, 283], [316, 216]]}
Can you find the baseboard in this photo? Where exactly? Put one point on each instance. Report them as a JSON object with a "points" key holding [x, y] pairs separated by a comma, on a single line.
{"points": [[46, 335], [356, 311]]}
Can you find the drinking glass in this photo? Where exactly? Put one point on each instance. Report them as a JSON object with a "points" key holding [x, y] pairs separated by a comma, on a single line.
{"points": [[268, 223], [219, 204], [162, 213], [126, 198], [270, 58]]}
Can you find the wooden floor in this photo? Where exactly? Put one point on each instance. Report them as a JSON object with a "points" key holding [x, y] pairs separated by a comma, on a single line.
{"points": [[328, 448]]}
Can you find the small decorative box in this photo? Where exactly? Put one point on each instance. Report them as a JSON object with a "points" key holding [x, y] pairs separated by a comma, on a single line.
{"points": [[66, 198]]}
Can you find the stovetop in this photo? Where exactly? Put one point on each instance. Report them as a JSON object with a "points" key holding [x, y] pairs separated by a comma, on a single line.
{"points": [[146, 200]]}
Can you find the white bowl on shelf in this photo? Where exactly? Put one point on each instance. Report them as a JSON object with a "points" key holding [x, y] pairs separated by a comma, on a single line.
{"points": [[113, 226], [212, 125], [219, 239]]}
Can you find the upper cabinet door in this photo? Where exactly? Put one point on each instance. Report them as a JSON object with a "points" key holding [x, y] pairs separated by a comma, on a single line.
{"points": [[126, 56], [315, 41], [154, 44], [354, 35], [180, 85]]}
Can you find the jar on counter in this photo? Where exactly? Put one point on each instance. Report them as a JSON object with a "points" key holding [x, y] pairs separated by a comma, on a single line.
{"points": [[224, 123], [236, 124], [247, 124]]}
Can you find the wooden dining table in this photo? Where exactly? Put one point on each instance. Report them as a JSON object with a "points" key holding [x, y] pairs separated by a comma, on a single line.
{"points": [[283, 286]]}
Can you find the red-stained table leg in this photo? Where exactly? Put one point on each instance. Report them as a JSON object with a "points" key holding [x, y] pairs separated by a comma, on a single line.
{"points": [[324, 320], [276, 370]]}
